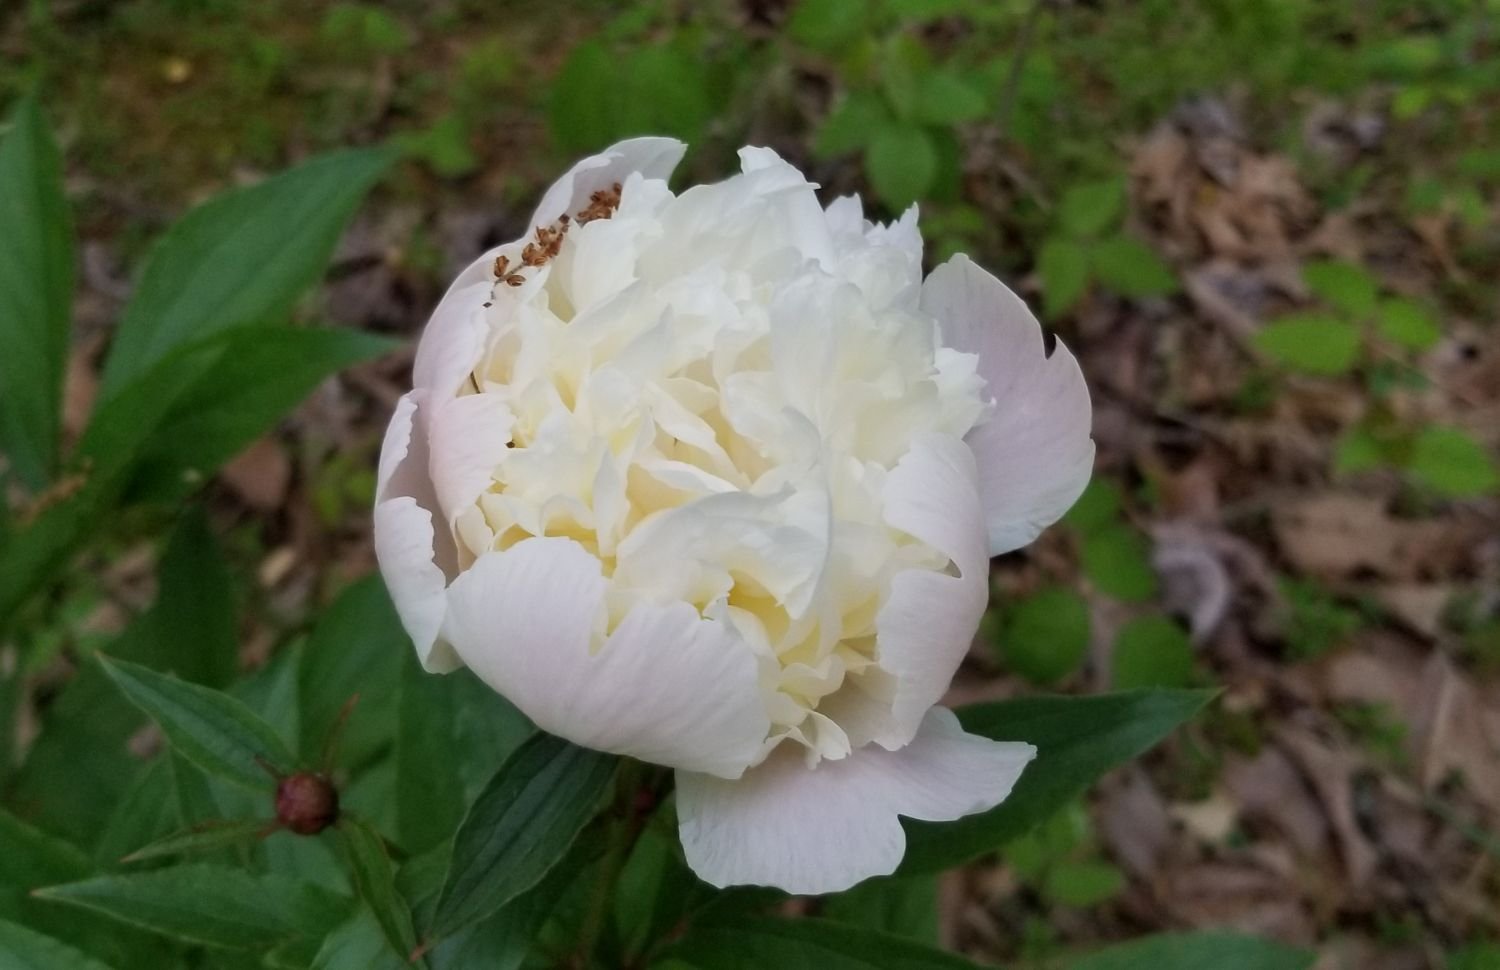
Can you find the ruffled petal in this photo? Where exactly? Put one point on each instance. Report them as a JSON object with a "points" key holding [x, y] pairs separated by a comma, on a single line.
{"points": [[414, 560], [929, 619], [823, 829], [1034, 453], [667, 686]]}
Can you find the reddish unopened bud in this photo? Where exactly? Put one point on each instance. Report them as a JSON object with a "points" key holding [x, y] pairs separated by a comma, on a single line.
{"points": [[306, 803]]}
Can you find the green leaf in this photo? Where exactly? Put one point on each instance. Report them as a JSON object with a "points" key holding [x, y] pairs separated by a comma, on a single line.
{"points": [[1077, 740], [655, 887], [36, 294], [1152, 651], [1063, 266], [753, 943], [1342, 285], [1452, 463], [356, 648], [203, 837], [519, 826], [1088, 209], [212, 730], [851, 124], [34, 858], [1117, 560], [1310, 343], [946, 97], [580, 106], [1406, 322], [1097, 507], [1131, 268], [24, 949], [212, 905], [902, 163], [192, 627], [357, 944], [667, 93], [374, 879], [262, 373], [1358, 450], [828, 25], [906, 907], [429, 791], [1083, 883], [241, 259], [1045, 635], [1194, 951]]}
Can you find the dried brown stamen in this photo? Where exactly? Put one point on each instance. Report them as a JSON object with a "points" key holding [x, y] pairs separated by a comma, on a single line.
{"points": [[602, 204]]}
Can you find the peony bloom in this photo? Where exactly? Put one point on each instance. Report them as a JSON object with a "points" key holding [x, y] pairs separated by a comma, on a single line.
{"points": [[712, 480]]}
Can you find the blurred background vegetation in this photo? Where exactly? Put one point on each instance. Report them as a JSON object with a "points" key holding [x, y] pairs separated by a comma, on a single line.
{"points": [[1269, 228]]}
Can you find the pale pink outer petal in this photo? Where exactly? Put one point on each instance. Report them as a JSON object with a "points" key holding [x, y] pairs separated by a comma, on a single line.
{"points": [[823, 829], [1034, 453], [929, 618], [414, 560], [667, 686]]}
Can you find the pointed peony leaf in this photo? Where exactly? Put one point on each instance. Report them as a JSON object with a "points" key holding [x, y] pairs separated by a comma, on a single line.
{"points": [[374, 878], [1078, 739], [34, 858], [1193, 951], [262, 374], [751, 943], [212, 730], [907, 907], [212, 905], [36, 294], [24, 949], [204, 837], [241, 259], [519, 826], [357, 944]]}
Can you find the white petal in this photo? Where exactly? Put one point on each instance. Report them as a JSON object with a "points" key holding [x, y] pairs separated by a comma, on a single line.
{"points": [[819, 830], [1034, 453], [667, 686], [468, 436], [928, 622], [413, 560], [654, 158], [453, 340]]}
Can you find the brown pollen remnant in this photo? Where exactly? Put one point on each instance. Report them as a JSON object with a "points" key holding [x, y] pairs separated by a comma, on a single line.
{"points": [[504, 274], [602, 204], [306, 803]]}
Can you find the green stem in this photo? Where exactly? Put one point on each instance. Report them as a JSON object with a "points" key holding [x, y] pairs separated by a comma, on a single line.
{"points": [[626, 825]]}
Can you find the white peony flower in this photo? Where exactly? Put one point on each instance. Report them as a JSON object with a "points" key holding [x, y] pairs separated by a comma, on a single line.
{"points": [[712, 480]]}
